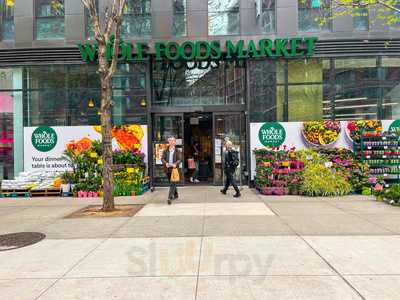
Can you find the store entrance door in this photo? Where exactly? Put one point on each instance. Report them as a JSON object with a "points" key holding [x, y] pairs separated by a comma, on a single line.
{"points": [[229, 126], [165, 126], [200, 139], [198, 148]]}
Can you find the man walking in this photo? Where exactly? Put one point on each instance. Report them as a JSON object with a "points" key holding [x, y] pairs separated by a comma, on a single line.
{"points": [[171, 159], [231, 163]]}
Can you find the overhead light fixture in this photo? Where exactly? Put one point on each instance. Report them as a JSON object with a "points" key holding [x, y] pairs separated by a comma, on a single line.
{"points": [[143, 103], [91, 103]]}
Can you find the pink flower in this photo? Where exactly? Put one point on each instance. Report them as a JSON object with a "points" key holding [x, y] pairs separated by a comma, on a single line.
{"points": [[378, 187], [372, 180]]}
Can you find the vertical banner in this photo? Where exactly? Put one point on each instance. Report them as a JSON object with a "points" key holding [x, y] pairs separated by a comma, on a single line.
{"points": [[44, 146]]}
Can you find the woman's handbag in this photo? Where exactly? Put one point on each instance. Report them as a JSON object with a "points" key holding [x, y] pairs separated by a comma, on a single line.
{"points": [[191, 164], [175, 175]]}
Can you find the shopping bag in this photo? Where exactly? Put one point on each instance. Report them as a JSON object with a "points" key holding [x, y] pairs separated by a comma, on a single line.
{"points": [[175, 175], [191, 164]]}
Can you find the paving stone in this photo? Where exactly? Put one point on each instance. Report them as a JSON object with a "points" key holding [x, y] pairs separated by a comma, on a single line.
{"points": [[338, 224], [150, 288], [46, 259], [368, 207], [388, 221], [376, 287], [360, 255], [274, 287], [23, 289], [176, 209], [176, 226], [245, 226], [83, 228], [141, 257], [272, 255], [304, 208]]}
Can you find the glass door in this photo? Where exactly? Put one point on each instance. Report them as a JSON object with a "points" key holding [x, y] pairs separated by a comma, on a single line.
{"points": [[229, 126], [165, 126]]}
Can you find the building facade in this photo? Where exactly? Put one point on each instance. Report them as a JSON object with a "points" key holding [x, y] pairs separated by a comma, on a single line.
{"points": [[354, 73]]}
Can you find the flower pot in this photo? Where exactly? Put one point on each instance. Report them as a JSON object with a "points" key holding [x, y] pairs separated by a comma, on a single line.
{"points": [[66, 188]]}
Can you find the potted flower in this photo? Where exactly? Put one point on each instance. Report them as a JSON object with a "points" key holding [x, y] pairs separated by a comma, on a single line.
{"points": [[67, 182]]}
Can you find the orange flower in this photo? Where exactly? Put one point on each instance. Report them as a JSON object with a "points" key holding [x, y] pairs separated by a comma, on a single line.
{"points": [[127, 139], [80, 146]]}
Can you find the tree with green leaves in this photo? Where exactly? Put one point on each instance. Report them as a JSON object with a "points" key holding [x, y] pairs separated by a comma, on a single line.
{"points": [[386, 11]]}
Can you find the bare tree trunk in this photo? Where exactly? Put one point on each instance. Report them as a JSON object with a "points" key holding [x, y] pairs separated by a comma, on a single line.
{"points": [[106, 126]]}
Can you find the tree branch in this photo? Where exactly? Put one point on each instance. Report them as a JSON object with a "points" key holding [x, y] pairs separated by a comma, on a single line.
{"points": [[117, 19]]}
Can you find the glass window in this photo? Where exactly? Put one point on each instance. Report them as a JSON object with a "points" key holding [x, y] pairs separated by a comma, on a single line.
{"points": [[6, 124], [390, 17], [50, 22], [137, 20], [356, 89], [304, 70], [71, 96], [223, 17], [314, 15], [198, 84], [360, 19], [266, 98], [305, 102], [7, 19], [266, 15], [179, 18], [391, 88]]}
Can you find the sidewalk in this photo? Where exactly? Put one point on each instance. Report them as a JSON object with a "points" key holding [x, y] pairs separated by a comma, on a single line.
{"points": [[205, 246]]}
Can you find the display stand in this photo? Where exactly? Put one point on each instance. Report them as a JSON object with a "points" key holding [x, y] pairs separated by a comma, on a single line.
{"points": [[381, 151]]}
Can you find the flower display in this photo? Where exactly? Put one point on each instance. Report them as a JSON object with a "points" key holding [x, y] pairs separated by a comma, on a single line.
{"points": [[80, 146], [354, 129], [321, 133]]}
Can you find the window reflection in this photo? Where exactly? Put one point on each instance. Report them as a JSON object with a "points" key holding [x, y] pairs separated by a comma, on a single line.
{"points": [[223, 17], [360, 18], [266, 14], [60, 95], [50, 19], [179, 18], [137, 18], [314, 15], [7, 20], [198, 84]]}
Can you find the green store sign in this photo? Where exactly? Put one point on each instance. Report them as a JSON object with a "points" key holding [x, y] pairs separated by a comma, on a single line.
{"points": [[395, 126], [205, 50], [272, 134], [44, 139]]}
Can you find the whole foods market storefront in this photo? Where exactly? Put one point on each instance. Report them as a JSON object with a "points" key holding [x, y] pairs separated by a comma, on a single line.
{"points": [[200, 103]]}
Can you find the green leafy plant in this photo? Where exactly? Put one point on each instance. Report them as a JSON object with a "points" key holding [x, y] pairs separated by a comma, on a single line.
{"points": [[322, 181]]}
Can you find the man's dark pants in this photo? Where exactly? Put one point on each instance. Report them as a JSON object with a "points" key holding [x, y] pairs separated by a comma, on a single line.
{"points": [[230, 180], [173, 190]]}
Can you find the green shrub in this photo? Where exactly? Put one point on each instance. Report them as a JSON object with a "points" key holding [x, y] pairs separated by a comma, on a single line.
{"points": [[393, 193], [322, 181], [310, 156]]}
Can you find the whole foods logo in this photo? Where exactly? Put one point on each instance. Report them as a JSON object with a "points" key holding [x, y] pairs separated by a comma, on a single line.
{"points": [[44, 139], [272, 134], [395, 126]]}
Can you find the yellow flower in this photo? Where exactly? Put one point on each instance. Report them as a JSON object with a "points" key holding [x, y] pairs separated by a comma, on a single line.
{"points": [[10, 3], [93, 155], [100, 161]]}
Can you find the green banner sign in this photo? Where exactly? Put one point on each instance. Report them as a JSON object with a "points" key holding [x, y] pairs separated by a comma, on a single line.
{"points": [[206, 50], [44, 139], [272, 134]]}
